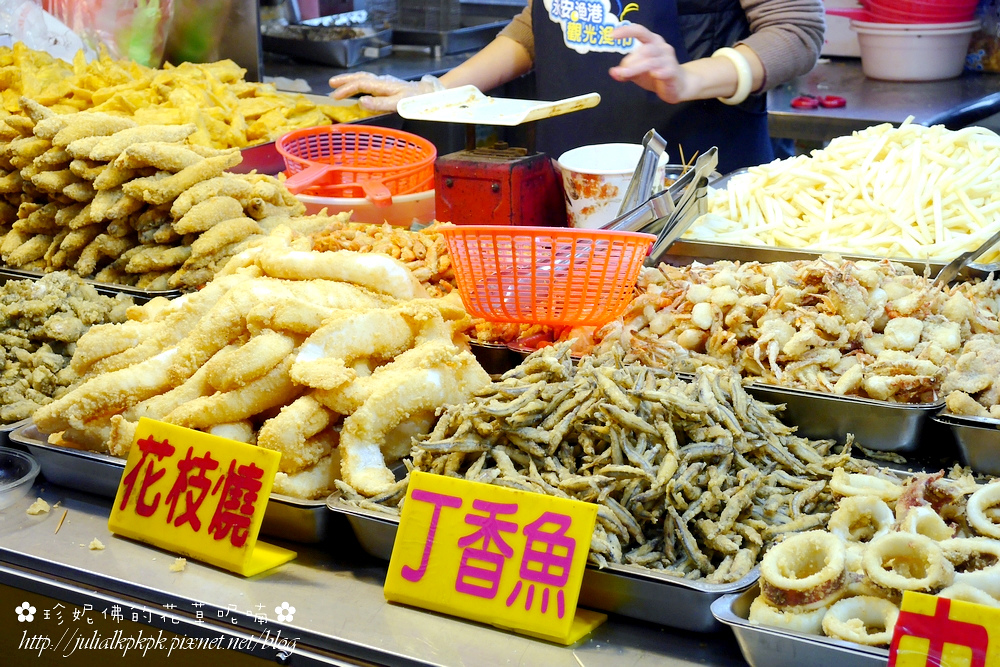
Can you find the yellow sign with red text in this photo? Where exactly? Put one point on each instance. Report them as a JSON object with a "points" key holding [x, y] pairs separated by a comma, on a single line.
{"points": [[938, 632], [510, 558], [198, 495]]}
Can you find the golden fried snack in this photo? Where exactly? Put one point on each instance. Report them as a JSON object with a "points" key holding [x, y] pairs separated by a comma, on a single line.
{"points": [[204, 215], [109, 148], [162, 190], [170, 157], [223, 234], [291, 430], [236, 366], [157, 258], [227, 185]]}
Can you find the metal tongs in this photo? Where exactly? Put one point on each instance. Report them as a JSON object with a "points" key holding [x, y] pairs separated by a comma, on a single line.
{"points": [[955, 266], [643, 178], [691, 206]]}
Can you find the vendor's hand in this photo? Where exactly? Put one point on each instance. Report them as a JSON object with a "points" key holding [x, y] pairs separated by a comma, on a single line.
{"points": [[381, 92], [653, 66]]}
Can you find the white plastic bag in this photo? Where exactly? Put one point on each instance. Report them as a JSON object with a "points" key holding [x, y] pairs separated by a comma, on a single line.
{"points": [[24, 21]]}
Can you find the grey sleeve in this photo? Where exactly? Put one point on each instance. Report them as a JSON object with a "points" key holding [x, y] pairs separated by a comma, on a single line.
{"points": [[787, 36], [519, 30]]}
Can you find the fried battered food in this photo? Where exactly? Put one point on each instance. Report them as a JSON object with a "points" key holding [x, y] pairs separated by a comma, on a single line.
{"points": [[893, 558], [125, 179], [693, 479], [220, 360], [424, 252], [42, 321], [867, 329], [211, 101]]}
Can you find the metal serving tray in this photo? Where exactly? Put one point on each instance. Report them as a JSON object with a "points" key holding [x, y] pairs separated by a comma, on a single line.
{"points": [[687, 250], [107, 289], [627, 590], [335, 52], [7, 429], [978, 440], [764, 646], [879, 425], [285, 517]]}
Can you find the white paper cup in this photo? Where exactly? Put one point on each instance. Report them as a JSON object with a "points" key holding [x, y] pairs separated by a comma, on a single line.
{"points": [[595, 179]]}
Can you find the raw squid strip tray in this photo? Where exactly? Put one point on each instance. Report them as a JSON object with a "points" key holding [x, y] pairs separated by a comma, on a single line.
{"points": [[628, 590], [285, 517], [764, 646]]}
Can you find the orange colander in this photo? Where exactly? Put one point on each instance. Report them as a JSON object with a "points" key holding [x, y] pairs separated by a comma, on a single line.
{"points": [[546, 275], [357, 161]]}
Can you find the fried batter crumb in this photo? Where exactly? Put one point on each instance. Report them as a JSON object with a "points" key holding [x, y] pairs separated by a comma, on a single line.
{"points": [[178, 565], [38, 507], [96, 545]]}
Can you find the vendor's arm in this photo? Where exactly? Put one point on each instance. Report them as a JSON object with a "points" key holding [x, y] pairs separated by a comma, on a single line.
{"points": [[500, 61], [785, 41]]}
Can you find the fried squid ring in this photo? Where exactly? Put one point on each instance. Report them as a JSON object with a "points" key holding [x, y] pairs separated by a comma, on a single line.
{"points": [[861, 519], [969, 593], [923, 520], [844, 483], [808, 622], [806, 570], [862, 620], [979, 502], [972, 554], [907, 562]]}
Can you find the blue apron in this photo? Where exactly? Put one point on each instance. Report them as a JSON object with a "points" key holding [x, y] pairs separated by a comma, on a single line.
{"points": [[695, 28]]}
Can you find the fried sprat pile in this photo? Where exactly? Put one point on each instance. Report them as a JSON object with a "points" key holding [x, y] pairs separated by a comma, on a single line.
{"points": [[124, 203], [40, 323], [226, 110], [694, 479], [931, 534], [287, 348], [868, 329], [424, 252]]}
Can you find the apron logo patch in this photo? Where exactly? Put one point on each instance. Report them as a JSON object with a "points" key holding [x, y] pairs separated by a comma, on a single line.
{"points": [[587, 24]]}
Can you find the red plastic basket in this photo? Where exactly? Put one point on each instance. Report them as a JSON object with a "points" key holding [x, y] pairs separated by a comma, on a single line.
{"points": [[546, 275], [357, 161]]}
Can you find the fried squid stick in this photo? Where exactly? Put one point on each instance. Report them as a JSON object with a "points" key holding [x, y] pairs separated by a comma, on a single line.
{"points": [[363, 466], [324, 359], [291, 432], [270, 391], [204, 215], [234, 367], [379, 273], [109, 148], [107, 393]]}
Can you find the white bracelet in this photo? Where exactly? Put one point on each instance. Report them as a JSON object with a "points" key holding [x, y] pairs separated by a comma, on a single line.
{"points": [[744, 76]]}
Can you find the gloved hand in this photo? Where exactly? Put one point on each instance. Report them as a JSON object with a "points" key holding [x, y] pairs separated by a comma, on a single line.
{"points": [[381, 92]]}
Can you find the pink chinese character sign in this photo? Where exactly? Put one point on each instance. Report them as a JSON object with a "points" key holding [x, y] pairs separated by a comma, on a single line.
{"points": [[510, 558], [198, 495]]}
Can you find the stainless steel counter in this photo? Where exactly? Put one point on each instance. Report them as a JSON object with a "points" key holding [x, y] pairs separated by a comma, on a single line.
{"points": [[340, 614], [954, 102]]}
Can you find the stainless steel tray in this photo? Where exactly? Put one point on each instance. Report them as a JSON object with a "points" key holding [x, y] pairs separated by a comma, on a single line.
{"points": [[7, 429], [978, 441], [107, 289], [686, 250], [763, 646], [495, 358], [627, 590], [878, 425], [285, 517], [335, 52]]}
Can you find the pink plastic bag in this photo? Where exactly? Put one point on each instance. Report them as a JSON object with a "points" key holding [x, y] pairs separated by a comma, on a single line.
{"points": [[130, 29]]}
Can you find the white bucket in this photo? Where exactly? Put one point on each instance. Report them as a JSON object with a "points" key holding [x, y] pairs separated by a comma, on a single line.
{"points": [[405, 210], [906, 54], [595, 178]]}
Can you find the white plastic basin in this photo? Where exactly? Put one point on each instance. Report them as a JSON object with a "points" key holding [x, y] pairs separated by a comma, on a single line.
{"points": [[913, 54]]}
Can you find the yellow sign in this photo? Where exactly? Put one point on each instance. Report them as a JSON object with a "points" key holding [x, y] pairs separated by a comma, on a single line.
{"points": [[198, 495], [938, 632], [488, 553]]}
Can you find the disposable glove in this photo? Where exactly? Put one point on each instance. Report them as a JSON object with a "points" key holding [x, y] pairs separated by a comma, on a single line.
{"points": [[381, 92]]}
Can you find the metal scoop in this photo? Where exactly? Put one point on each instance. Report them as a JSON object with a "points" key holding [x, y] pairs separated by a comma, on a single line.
{"points": [[641, 186], [955, 266]]}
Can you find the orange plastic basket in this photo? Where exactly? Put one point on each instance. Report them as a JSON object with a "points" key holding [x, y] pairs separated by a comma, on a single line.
{"points": [[546, 275], [357, 161]]}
